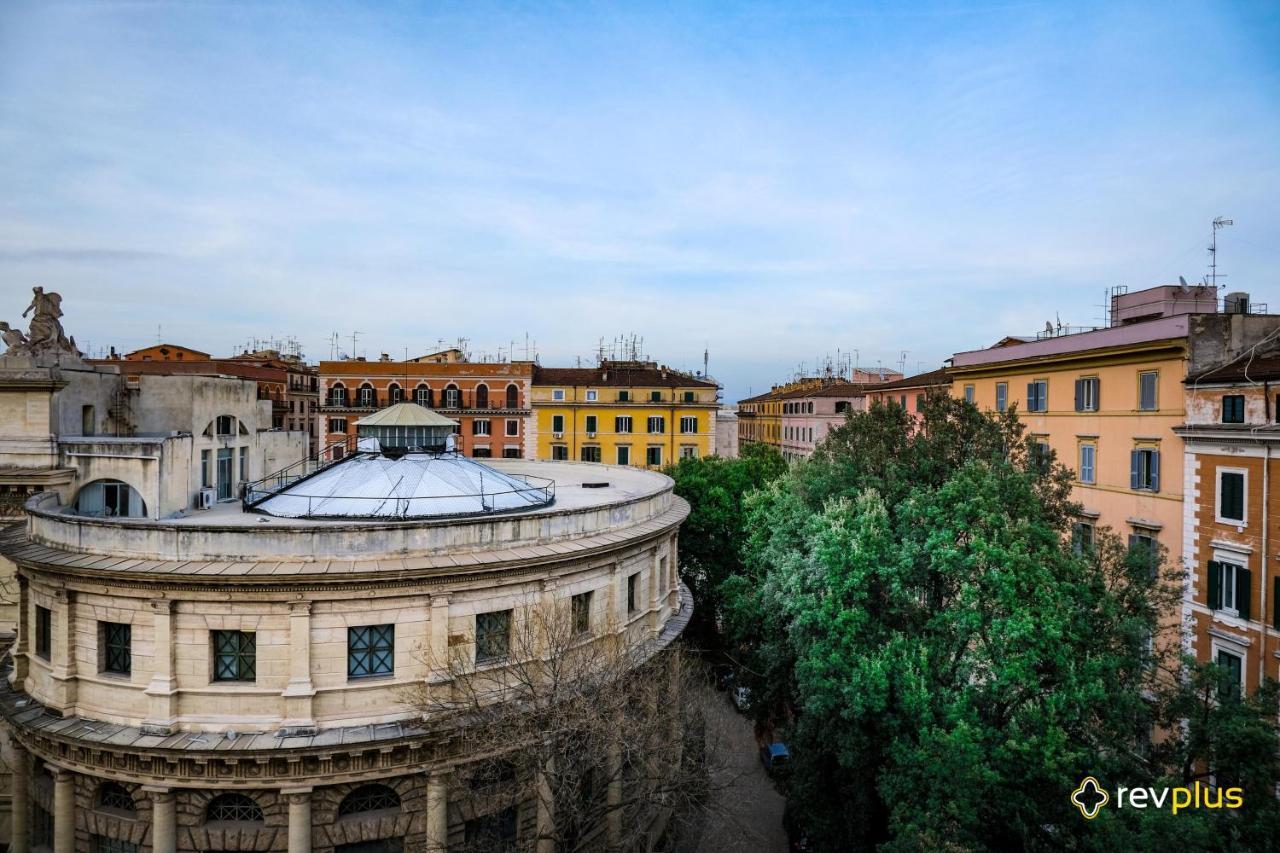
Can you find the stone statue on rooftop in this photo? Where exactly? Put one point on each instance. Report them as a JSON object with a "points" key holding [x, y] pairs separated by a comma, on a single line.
{"points": [[45, 334], [13, 339]]}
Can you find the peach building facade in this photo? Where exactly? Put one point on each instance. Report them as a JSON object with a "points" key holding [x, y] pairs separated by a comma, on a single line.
{"points": [[909, 392], [1108, 403]]}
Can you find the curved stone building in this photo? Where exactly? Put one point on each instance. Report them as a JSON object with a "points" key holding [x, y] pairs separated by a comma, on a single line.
{"points": [[236, 680]]}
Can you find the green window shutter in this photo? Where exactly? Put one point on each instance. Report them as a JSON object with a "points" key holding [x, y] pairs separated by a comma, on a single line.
{"points": [[1155, 470], [1215, 589], [1275, 606], [1244, 587], [1079, 395], [1031, 396], [1135, 466]]}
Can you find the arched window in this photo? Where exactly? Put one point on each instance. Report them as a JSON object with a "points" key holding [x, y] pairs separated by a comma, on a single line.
{"points": [[482, 396], [338, 395], [232, 807], [513, 397], [422, 396], [113, 795], [368, 798], [365, 396], [452, 396], [395, 394], [110, 499]]}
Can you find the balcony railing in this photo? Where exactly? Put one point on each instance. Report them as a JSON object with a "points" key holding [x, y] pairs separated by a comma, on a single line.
{"points": [[382, 402], [259, 490]]}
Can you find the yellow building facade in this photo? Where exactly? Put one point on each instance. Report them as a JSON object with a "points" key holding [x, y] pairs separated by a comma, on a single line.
{"points": [[623, 413]]}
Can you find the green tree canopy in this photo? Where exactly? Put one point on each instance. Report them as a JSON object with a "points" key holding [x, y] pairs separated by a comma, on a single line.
{"points": [[712, 538], [946, 665]]}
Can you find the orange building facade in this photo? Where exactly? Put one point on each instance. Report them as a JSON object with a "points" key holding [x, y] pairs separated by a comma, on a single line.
{"points": [[1231, 518], [489, 401]]}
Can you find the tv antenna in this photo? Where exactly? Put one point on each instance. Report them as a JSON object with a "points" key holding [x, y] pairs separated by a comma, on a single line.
{"points": [[1218, 224]]}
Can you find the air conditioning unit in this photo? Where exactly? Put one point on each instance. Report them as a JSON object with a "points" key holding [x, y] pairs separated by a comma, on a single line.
{"points": [[205, 498], [557, 435], [591, 435]]}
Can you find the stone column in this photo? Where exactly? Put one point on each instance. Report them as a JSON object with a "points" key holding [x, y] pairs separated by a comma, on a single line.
{"points": [[546, 810], [63, 664], [620, 597], [439, 677], [655, 571], [299, 692], [22, 646], [64, 810], [299, 800], [20, 826], [549, 619], [162, 692], [164, 819], [613, 820], [673, 566], [437, 813]]}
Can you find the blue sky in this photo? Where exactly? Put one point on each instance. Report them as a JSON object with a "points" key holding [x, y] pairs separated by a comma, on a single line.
{"points": [[771, 181]]}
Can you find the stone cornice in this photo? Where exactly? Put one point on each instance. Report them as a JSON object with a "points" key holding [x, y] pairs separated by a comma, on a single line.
{"points": [[514, 567]]}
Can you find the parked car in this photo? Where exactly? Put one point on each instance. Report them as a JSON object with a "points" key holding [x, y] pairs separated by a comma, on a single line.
{"points": [[775, 757], [741, 698]]}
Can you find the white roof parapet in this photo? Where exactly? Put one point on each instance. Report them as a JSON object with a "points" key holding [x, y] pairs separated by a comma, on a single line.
{"points": [[406, 415]]}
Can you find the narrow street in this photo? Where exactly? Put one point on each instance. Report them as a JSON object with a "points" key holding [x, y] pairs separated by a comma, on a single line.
{"points": [[746, 808]]}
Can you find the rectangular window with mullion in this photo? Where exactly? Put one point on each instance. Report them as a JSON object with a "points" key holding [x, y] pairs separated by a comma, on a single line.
{"points": [[1144, 469], [235, 656], [1087, 394], [1038, 395], [581, 604], [1230, 588], [493, 636], [117, 648], [1231, 496], [1088, 463], [44, 632], [371, 650], [1148, 398], [1232, 672], [1233, 409]]}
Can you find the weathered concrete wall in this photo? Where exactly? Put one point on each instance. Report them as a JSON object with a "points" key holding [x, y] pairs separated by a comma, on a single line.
{"points": [[1219, 338]]}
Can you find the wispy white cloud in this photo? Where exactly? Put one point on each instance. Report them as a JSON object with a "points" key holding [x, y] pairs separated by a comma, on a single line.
{"points": [[769, 182]]}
